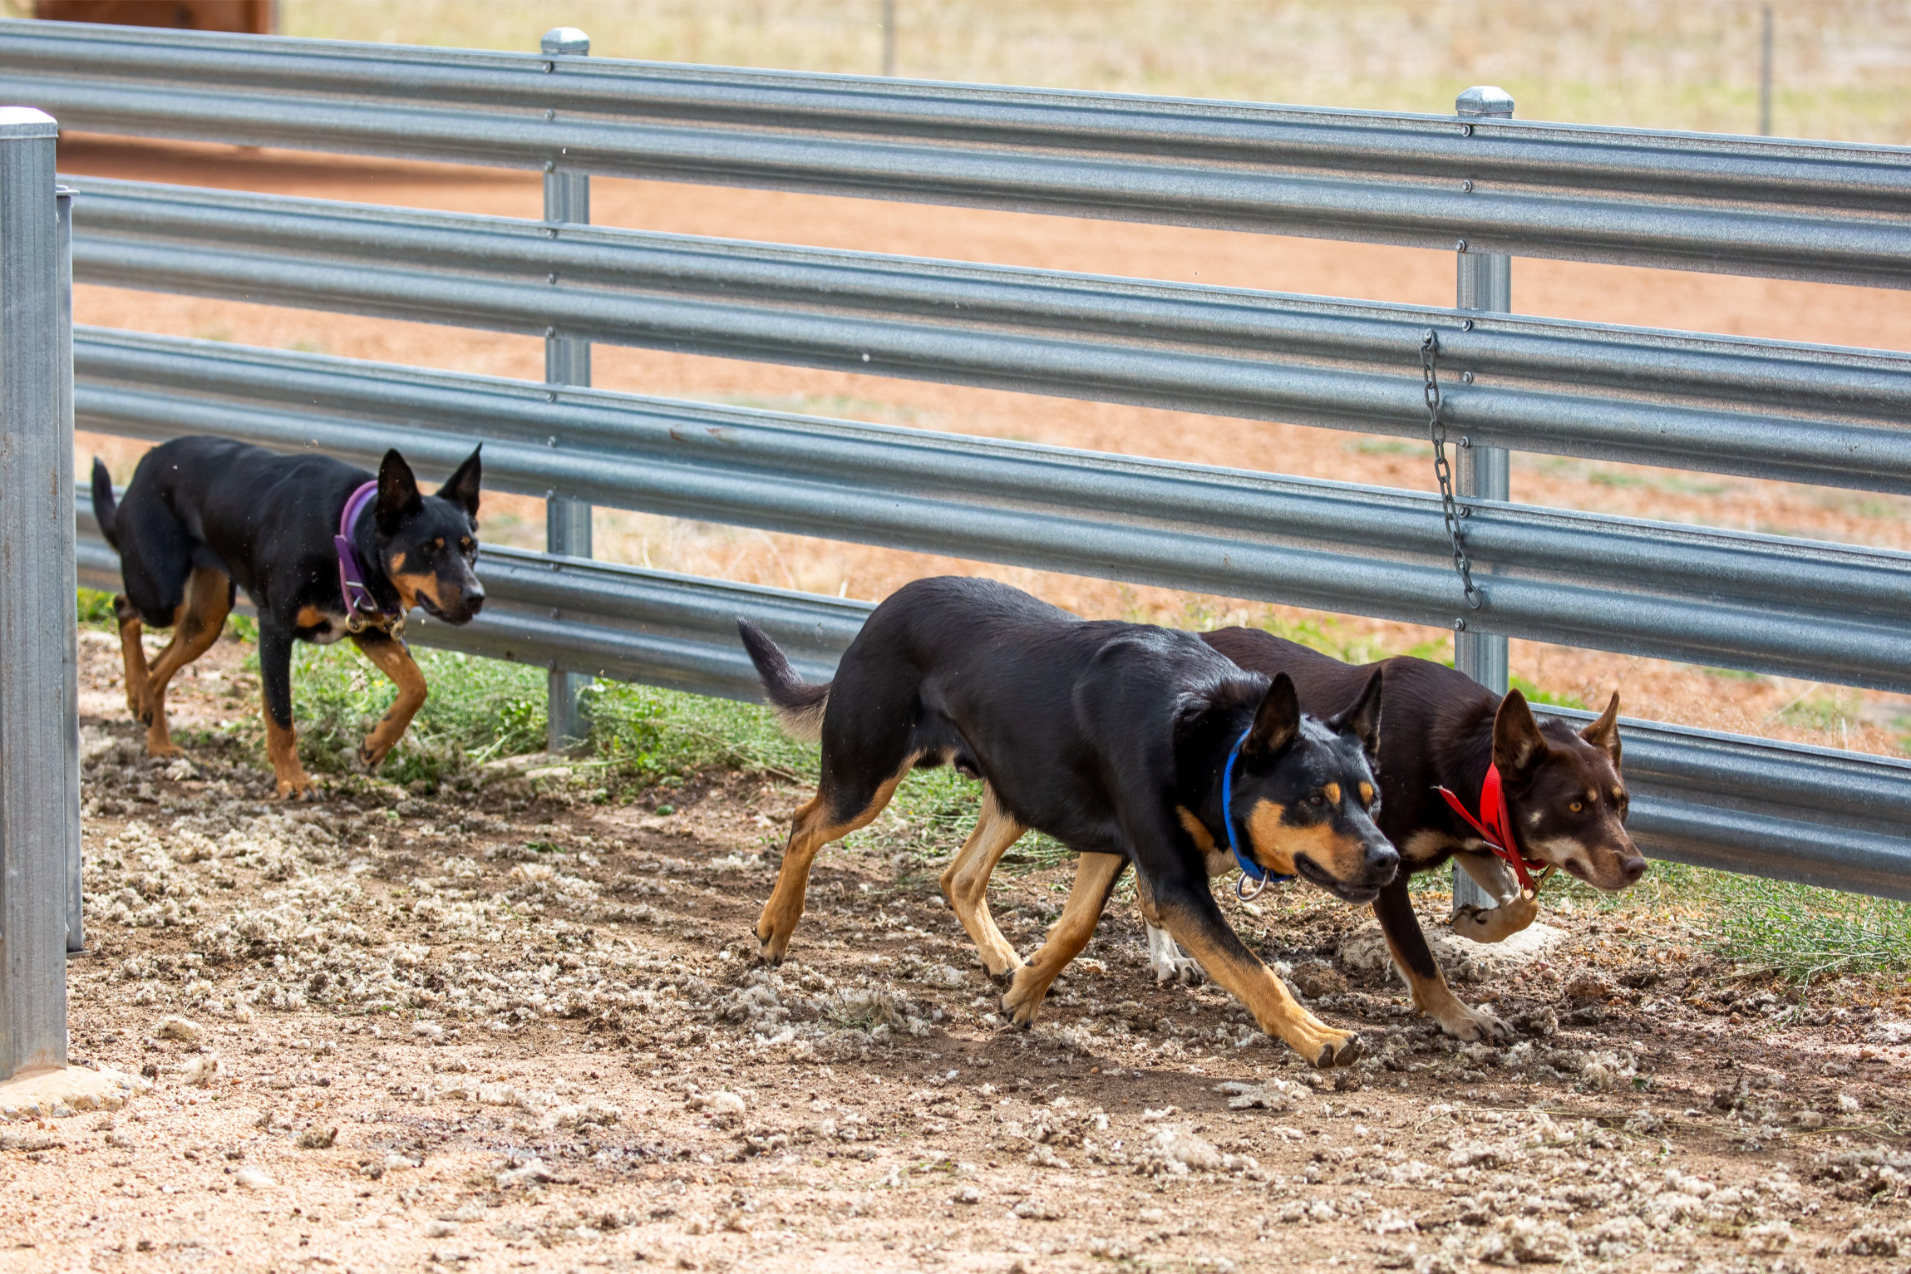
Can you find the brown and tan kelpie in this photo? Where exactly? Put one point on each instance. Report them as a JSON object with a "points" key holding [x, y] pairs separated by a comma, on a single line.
{"points": [[322, 549], [1128, 743], [1464, 775]]}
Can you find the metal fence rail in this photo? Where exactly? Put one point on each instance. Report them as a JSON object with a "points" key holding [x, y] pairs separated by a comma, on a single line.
{"points": [[1478, 185], [1767, 409], [1655, 588], [1699, 797], [1748, 206]]}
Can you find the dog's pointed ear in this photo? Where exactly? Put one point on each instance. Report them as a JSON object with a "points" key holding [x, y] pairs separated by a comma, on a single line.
{"points": [[397, 492], [1361, 718], [1516, 738], [1277, 722], [1604, 733], [461, 488]]}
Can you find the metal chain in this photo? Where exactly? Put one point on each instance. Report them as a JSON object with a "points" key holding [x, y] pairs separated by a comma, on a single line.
{"points": [[1437, 431]]}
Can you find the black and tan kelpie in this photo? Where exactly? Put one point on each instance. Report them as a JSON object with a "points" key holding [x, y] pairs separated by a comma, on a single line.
{"points": [[1462, 770], [1128, 743], [322, 549]]}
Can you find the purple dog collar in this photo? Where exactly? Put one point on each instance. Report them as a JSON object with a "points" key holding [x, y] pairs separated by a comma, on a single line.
{"points": [[351, 576]]}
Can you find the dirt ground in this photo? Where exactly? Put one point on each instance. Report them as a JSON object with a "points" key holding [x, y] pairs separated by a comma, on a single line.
{"points": [[511, 1027]]}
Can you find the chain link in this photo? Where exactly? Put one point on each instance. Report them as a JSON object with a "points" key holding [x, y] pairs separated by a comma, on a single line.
{"points": [[1437, 431]]}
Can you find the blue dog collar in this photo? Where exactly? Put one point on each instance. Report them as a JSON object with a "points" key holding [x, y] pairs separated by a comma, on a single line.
{"points": [[1250, 870]]}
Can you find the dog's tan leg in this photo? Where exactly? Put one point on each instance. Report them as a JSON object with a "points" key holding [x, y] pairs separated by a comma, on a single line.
{"points": [[965, 883], [1235, 968], [1432, 996], [1428, 986], [810, 830], [282, 748], [395, 662], [196, 626], [134, 657], [1095, 876]]}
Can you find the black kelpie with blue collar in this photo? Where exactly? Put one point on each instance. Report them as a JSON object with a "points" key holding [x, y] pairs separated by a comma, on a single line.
{"points": [[204, 517], [1123, 741]]}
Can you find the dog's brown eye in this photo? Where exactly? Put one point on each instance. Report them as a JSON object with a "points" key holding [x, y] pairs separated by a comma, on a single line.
{"points": [[1575, 807]]}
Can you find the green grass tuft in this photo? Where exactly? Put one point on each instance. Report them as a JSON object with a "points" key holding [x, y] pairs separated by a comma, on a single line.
{"points": [[96, 609], [648, 734], [1802, 932], [478, 709]]}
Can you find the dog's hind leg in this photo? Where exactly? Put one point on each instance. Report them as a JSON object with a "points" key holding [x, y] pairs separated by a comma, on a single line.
{"points": [[1431, 994], [822, 820], [1095, 877], [134, 656], [196, 626], [281, 742], [1168, 961], [395, 662], [965, 883]]}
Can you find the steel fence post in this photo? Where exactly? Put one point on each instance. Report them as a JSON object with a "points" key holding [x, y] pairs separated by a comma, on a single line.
{"points": [[63, 292], [567, 361], [39, 713], [1485, 283]]}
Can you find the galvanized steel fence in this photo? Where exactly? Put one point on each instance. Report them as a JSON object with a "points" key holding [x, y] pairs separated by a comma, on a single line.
{"points": [[1481, 185]]}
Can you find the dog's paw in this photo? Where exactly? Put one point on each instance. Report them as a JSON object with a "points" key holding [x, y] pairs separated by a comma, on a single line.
{"points": [[1495, 924], [298, 789], [771, 947], [1019, 1017], [1182, 969], [163, 750], [1344, 1051], [370, 758], [1475, 1026]]}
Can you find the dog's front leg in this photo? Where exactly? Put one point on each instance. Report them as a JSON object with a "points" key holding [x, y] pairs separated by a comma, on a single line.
{"points": [[395, 661], [281, 742], [1187, 910], [1431, 994], [1515, 909]]}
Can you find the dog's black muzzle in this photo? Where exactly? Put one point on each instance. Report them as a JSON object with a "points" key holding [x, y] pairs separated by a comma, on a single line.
{"points": [[470, 602], [1379, 865]]}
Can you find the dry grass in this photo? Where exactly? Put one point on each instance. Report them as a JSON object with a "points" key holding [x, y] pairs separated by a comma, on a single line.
{"points": [[1840, 72]]}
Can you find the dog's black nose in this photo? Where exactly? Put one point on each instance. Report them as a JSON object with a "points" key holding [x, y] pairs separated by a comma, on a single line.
{"points": [[1632, 868], [1382, 863], [473, 600]]}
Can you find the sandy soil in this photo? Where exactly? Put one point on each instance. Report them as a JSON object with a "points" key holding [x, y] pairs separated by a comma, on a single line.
{"points": [[1775, 707], [512, 1027]]}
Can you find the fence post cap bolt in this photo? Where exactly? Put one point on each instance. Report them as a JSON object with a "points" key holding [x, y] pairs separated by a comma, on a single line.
{"points": [[1467, 377], [1482, 100], [1459, 625], [1466, 187], [573, 42], [1460, 246], [1466, 325]]}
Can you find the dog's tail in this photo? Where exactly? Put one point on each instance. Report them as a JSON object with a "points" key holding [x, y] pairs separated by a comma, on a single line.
{"points": [[105, 509], [798, 703]]}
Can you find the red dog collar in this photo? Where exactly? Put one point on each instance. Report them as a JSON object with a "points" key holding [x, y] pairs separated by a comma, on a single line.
{"points": [[1497, 828]]}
